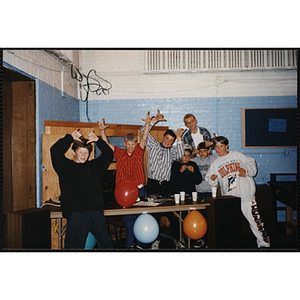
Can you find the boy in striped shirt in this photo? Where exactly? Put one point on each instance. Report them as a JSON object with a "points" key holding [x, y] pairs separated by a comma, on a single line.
{"points": [[161, 155], [129, 167]]}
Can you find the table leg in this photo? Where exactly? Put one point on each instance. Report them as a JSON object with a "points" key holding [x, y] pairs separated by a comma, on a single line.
{"points": [[59, 233], [179, 218], [189, 240], [180, 226]]}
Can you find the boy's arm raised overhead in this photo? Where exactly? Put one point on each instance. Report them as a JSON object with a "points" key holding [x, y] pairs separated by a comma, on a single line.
{"points": [[177, 152], [59, 149], [147, 121], [106, 156], [159, 117], [76, 135], [92, 137], [102, 128], [150, 139], [179, 132]]}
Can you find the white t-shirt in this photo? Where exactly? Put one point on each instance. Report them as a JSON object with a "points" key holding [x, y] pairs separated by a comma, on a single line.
{"points": [[197, 137]]}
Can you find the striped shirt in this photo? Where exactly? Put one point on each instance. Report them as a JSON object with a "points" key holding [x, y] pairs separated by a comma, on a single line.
{"points": [[130, 167], [160, 159]]}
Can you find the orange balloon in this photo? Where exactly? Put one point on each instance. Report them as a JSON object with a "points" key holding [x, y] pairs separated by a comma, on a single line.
{"points": [[194, 225]]}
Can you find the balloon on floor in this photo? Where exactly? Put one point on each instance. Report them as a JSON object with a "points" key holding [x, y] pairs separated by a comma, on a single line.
{"points": [[146, 228], [90, 242], [126, 193], [194, 225]]}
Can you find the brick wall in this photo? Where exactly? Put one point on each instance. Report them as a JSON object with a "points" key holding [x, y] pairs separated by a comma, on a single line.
{"points": [[219, 115]]}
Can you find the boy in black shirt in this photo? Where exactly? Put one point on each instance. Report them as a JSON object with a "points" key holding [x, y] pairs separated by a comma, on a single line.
{"points": [[185, 173], [81, 194]]}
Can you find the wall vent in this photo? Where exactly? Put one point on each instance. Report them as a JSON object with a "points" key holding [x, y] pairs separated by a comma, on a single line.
{"points": [[214, 60]]}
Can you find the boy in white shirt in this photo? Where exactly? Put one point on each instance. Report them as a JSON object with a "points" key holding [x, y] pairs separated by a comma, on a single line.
{"points": [[195, 135], [235, 171]]}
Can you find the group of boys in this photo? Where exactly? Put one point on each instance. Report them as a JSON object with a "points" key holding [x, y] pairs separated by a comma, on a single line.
{"points": [[188, 166]]}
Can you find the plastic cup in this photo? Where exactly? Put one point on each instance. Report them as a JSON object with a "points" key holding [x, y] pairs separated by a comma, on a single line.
{"points": [[182, 196], [214, 191], [194, 196], [177, 197]]}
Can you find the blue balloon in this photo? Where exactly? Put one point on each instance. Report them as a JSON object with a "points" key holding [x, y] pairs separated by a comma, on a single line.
{"points": [[90, 242], [146, 228]]}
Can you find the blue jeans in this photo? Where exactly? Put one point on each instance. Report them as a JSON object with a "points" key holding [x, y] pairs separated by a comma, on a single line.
{"points": [[129, 222]]}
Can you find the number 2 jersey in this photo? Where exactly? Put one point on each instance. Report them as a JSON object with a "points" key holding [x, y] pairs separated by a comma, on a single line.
{"points": [[227, 168]]}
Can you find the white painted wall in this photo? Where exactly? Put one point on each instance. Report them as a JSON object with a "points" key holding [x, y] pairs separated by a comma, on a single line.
{"points": [[44, 67], [125, 70]]}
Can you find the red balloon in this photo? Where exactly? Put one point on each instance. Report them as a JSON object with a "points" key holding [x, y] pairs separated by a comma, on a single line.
{"points": [[126, 193], [194, 225]]}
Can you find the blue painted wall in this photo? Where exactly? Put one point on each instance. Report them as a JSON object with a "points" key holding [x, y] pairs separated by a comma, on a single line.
{"points": [[219, 115], [50, 105]]}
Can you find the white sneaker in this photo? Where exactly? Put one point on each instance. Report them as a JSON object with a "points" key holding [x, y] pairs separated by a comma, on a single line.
{"points": [[182, 244], [199, 243], [155, 245]]}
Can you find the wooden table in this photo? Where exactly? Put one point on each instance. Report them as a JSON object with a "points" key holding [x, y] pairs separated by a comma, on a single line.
{"points": [[166, 205]]}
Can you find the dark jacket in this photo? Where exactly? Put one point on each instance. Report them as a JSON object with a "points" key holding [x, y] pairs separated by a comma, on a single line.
{"points": [[80, 183]]}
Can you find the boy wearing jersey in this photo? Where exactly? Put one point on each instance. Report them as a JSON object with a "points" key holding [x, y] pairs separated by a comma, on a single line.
{"points": [[234, 171]]}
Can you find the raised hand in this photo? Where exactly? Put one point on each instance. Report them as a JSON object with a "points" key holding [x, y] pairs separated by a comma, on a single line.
{"points": [[102, 125], [179, 132], [208, 144], [159, 117], [76, 135], [102, 128], [92, 137], [196, 152], [148, 118]]}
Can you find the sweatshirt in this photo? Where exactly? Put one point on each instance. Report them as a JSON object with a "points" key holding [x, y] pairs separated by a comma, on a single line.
{"points": [[186, 180], [227, 169], [80, 183], [203, 165]]}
